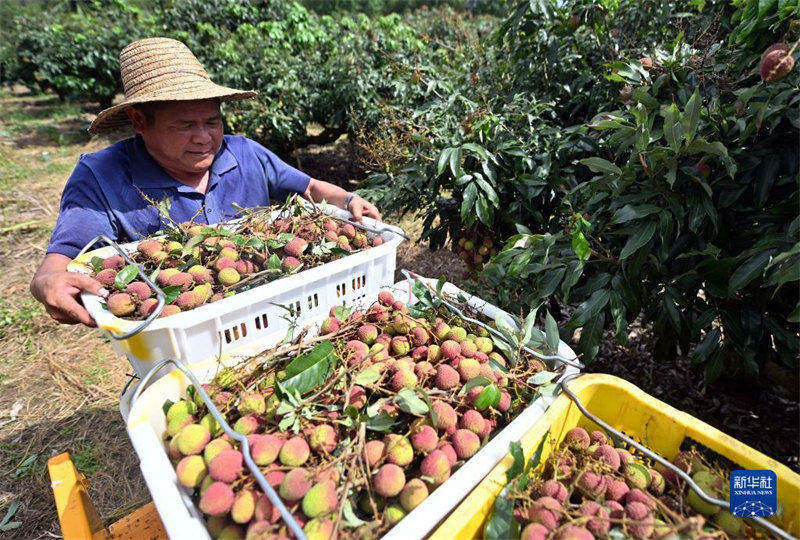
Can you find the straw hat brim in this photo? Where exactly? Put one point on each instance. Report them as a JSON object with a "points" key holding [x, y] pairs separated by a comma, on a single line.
{"points": [[115, 117]]}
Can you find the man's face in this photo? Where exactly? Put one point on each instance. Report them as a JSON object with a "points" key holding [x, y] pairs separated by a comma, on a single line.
{"points": [[182, 136]]}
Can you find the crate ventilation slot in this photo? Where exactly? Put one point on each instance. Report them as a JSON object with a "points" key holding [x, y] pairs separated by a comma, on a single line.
{"points": [[262, 322], [313, 301], [294, 308], [235, 332]]}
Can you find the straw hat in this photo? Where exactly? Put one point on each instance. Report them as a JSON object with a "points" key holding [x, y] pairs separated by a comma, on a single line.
{"points": [[161, 69]]}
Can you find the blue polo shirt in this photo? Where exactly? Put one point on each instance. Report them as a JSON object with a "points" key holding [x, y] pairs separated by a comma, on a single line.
{"points": [[106, 192]]}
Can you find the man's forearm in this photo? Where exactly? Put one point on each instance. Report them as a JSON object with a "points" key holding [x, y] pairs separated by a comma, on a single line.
{"points": [[319, 191]]}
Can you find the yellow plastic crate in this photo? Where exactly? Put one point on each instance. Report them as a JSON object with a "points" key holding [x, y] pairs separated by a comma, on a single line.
{"points": [[640, 416]]}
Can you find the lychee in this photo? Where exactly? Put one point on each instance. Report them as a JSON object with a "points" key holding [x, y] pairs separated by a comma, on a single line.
{"points": [[329, 326], [244, 267], [389, 480], [505, 401], [468, 368], [473, 421], [554, 489], [591, 484], [266, 449], [377, 314], [424, 438], [139, 290], [711, 484], [320, 500], [386, 298], [534, 531], [398, 450], [451, 349], [657, 482], [217, 499], [295, 484], [294, 452], [615, 509], [168, 310], [323, 439], [468, 348], [624, 457], [598, 437], [295, 247], [615, 489], [577, 437], [246, 424], [639, 513], [106, 277], [776, 62], [290, 264], [598, 526], [465, 443], [413, 493], [440, 330], [228, 277], [608, 455], [358, 397], [367, 333], [191, 470], [457, 334], [400, 346], [244, 506], [637, 495], [419, 336], [188, 300], [636, 476], [358, 350], [484, 345], [546, 511], [226, 466], [192, 439], [443, 415], [115, 262], [403, 378], [319, 529], [573, 532], [447, 378], [424, 369], [252, 403], [214, 447], [448, 450], [436, 467], [149, 246], [434, 353], [121, 304], [348, 231], [374, 452]]}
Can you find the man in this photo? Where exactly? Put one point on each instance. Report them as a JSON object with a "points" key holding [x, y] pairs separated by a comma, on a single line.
{"points": [[179, 152]]}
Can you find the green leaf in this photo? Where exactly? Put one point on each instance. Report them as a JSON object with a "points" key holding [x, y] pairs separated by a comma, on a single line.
{"points": [[381, 422], [189, 246], [580, 245], [591, 307], [543, 377], [350, 519], [628, 212], [125, 276], [600, 165], [480, 380], [444, 157], [455, 161], [310, 369], [515, 449], [489, 397], [97, 263], [501, 523], [672, 127], [638, 239], [367, 376], [748, 271], [591, 333], [171, 293], [706, 346], [691, 116], [536, 458], [551, 331], [274, 262], [408, 401]]}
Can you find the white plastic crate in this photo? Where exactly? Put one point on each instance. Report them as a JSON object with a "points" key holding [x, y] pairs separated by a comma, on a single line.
{"points": [[247, 317], [146, 426]]}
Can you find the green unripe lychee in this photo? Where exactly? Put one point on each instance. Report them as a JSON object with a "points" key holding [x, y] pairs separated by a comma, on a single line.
{"points": [[295, 484], [211, 424], [414, 492], [191, 470], [193, 439], [319, 529], [320, 499], [398, 450], [393, 514], [180, 408], [252, 403], [228, 276], [244, 505], [294, 452], [215, 447]]}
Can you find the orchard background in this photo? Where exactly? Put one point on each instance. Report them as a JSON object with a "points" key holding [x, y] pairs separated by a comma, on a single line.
{"points": [[630, 165]]}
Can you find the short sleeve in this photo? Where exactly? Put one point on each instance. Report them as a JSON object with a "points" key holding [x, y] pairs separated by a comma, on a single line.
{"points": [[82, 216], [282, 179]]}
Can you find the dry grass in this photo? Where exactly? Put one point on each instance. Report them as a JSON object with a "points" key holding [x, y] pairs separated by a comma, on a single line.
{"points": [[59, 386]]}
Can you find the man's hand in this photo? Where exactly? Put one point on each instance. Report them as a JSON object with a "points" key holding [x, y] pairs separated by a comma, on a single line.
{"points": [[58, 290], [319, 191], [360, 207]]}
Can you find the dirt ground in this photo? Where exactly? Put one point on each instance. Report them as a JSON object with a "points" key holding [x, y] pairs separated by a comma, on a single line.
{"points": [[59, 386]]}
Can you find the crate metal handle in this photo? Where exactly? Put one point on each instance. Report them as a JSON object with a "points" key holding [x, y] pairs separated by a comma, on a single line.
{"points": [[655, 457], [159, 293], [558, 358], [244, 445]]}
